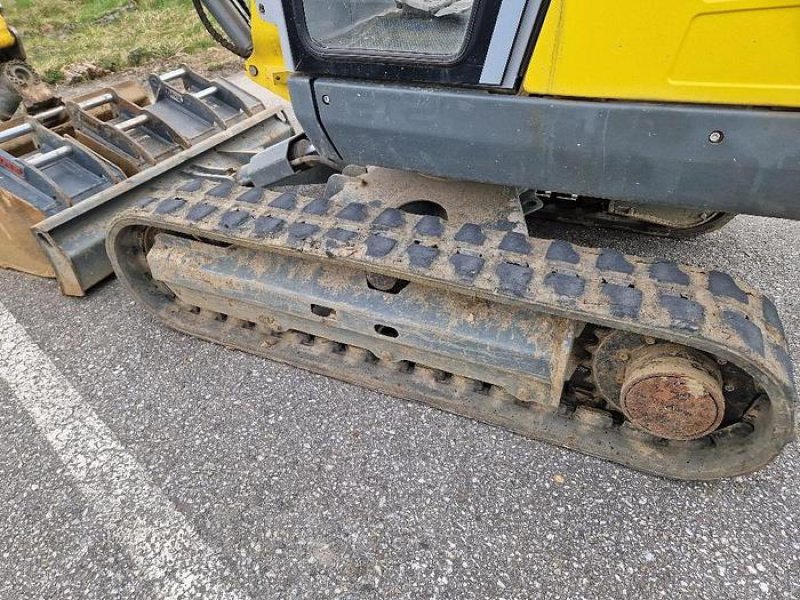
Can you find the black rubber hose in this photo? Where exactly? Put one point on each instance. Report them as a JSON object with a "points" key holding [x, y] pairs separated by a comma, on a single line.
{"points": [[214, 33]]}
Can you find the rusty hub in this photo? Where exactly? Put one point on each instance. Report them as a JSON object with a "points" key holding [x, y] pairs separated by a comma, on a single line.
{"points": [[673, 392]]}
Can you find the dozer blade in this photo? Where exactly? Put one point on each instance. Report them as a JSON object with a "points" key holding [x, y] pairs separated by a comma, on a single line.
{"points": [[662, 367], [61, 186]]}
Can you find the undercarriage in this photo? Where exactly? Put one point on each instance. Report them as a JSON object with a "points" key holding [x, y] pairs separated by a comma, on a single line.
{"points": [[434, 291]]}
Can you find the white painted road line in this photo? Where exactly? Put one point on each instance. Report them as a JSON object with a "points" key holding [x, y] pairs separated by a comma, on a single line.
{"points": [[161, 542]]}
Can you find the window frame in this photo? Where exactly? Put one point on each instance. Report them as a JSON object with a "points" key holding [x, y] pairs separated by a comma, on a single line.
{"points": [[399, 56], [463, 68]]}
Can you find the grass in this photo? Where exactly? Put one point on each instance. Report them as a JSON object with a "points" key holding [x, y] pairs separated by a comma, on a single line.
{"points": [[113, 35]]}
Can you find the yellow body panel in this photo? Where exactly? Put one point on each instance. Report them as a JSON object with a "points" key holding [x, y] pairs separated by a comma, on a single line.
{"points": [[266, 66], [7, 39], [707, 51]]}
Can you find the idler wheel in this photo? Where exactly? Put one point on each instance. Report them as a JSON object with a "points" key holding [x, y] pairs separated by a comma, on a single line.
{"points": [[672, 392]]}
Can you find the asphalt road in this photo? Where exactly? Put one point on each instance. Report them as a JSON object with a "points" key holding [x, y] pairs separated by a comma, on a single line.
{"points": [[303, 487]]}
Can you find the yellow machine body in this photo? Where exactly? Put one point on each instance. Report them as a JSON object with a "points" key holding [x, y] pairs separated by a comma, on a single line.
{"points": [[266, 65], [739, 52], [7, 38], [744, 52]]}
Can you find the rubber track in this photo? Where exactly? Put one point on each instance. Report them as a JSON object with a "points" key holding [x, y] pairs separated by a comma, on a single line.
{"points": [[705, 310]]}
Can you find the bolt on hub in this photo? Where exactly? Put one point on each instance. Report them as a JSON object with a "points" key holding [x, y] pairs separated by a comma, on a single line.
{"points": [[673, 392]]}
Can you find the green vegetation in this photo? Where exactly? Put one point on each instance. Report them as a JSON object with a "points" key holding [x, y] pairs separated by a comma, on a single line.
{"points": [[111, 35]]}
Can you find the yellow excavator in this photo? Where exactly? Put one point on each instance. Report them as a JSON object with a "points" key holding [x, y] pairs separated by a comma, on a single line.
{"points": [[19, 82], [441, 132]]}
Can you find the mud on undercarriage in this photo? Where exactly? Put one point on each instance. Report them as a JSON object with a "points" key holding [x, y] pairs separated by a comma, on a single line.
{"points": [[658, 366]]}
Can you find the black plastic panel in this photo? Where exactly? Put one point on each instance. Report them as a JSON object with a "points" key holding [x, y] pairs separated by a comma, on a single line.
{"points": [[639, 152]]}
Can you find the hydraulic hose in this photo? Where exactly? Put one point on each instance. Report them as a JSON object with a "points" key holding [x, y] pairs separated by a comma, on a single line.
{"points": [[233, 17]]}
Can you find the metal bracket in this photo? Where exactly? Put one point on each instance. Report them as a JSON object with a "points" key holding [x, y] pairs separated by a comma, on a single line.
{"points": [[280, 164]]}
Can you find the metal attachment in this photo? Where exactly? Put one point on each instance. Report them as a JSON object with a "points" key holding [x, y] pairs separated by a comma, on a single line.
{"points": [[66, 179], [326, 99], [716, 137], [25, 128], [673, 392]]}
